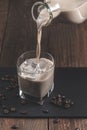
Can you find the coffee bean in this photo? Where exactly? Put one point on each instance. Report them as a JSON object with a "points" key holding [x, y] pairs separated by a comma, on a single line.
{"points": [[59, 99], [13, 109], [45, 111], [5, 111], [72, 103], [14, 127], [11, 87], [67, 101], [63, 97], [67, 105], [24, 112], [59, 103], [62, 101], [7, 88], [59, 95], [23, 101]]}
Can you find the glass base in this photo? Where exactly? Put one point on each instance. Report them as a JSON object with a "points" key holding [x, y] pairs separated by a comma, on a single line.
{"points": [[38, 100]]}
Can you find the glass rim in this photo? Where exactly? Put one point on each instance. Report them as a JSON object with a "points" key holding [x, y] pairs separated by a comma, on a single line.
{"points": [[32, 51]]}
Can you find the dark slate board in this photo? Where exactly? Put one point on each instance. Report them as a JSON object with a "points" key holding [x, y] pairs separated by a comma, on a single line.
{"points": [[71, 82]]}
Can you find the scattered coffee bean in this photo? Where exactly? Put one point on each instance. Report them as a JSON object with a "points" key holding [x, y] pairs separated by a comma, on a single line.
{"points": [[63, 97], [11, 87], [59, 95], [12, 79], [5, 111], [67, 101], [72, 103], [7, 88], [62, 101], [67, 105], [14, 127], [23, 101], [45, 111], [59, 102], [23, 112], [13, 109]]}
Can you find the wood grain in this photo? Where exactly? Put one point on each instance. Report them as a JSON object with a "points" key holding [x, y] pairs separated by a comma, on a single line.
{"points": [[20, 32], [4, 5], [68, 124], [65, 41], [24, 124]]}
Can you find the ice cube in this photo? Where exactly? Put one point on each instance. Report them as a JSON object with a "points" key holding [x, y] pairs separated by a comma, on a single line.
{"points": [[45, 64], [32, 70]]}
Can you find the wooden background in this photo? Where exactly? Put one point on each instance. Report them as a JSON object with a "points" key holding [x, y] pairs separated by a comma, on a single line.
{"points": [[65, 41]]}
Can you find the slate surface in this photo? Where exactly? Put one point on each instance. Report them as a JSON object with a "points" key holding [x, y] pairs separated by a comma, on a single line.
{"points": [[71, 82]]}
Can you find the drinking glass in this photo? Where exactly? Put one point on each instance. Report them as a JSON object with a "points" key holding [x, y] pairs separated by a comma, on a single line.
{"points": [[38, 84]]}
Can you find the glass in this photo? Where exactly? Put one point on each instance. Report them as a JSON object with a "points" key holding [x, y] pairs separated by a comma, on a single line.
{"points": [[36, 81]]}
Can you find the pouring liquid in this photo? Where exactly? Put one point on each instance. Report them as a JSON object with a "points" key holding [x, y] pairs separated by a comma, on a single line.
{"points": [[41, 21]]}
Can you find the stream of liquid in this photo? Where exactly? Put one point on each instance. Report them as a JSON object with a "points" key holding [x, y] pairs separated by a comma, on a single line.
{"points": [[38, 48], [41, 22]]}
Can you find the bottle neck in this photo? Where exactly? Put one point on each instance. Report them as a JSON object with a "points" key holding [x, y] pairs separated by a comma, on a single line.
{"points": [[54, 7], [55, 10], [47, 11]]}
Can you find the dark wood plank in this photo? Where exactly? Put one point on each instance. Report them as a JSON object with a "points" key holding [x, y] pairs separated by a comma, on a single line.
{"points": [[20, 33], [68, 124], [24, 124], [4, 7], [69, 44], [66, 41]]}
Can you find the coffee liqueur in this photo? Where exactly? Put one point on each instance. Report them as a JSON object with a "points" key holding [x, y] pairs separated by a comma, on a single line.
{"points": [[41, 21], [36, 82]]}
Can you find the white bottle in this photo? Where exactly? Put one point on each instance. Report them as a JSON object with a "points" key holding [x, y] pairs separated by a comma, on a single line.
{"points": [[74, 10]]}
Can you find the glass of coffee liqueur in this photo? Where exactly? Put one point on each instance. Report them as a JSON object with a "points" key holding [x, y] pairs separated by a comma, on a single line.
{"points": [[35, 77]]}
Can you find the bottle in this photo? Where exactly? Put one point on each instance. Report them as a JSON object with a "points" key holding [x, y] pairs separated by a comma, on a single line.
{"points": [[73, 10]]}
